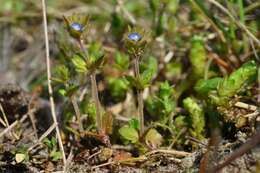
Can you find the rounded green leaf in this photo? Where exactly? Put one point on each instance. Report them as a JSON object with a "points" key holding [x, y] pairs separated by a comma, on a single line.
{"points": [[129, 133]]}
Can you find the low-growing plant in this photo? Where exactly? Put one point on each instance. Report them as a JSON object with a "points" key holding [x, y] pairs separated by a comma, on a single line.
{"points": [[135, 43], [52, 146], [161, 106], [80, 62], [196, 118]]}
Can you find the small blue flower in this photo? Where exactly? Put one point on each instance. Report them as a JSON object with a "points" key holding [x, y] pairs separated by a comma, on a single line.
{"points": [[134, 36], [77, 27]]}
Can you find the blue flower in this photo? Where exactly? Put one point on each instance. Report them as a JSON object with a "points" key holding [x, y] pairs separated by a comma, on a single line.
{"points": [[76, 26], [134, 36], [135, 40]]}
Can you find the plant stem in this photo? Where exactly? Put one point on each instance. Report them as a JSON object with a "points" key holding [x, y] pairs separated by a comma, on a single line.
{"points": [[96, 100], [77, 111], [94, 92], [139, 96]]}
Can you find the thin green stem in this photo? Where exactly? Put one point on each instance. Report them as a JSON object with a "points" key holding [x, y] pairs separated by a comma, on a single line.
{"points": [[139, 96], [94, 92], [96, 100], [77, 111]]}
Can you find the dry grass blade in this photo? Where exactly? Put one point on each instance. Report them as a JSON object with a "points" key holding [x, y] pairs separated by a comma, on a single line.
{"points": [[49, 81], [6, 130]]}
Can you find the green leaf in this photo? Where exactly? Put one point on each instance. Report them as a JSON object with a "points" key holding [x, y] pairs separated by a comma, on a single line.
{"points": [[80, 64], [121, 61], [165, 90], [134, 82], [148, 69], [95, 50], [196, 115], [71, 89], [134, 123], [161, 105], [203, 87], [173, 70], [198, 57], [231, 85], [62, 92], [118, 87], [129, 133], [61, 74], [55, 155], [146, 77], [153, 138], [96, 62], [234, 83]]}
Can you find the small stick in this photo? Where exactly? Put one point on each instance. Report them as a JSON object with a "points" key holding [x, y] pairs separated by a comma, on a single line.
{"points": [[196, 140], [4, 115], [13, 125], [172, 152], [245, 106]]}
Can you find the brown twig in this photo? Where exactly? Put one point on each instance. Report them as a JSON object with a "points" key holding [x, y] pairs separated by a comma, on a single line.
{"points": [[172, 152]]}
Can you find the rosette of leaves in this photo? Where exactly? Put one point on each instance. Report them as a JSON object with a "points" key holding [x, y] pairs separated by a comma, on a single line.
{"points": [[162, 104], [76, 25], [196, 117]]}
